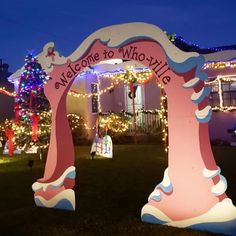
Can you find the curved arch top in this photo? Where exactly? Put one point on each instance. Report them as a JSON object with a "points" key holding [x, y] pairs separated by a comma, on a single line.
{"points": [[117, 36]]}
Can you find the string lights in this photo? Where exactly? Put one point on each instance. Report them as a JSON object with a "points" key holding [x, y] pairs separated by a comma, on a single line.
{"points": [[164, 117], [115, 122], [141, 75], [219, 83], [121, 123], [88, 95], [23, 131], [219, 65], [182, 44], [7, 93]]}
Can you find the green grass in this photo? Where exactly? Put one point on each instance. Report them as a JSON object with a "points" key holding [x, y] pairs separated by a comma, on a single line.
{"points": [[109, 193]]}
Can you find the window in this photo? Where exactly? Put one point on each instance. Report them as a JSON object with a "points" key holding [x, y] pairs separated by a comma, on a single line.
{"points": [[228, 93], [214, 97], [94, 89]]}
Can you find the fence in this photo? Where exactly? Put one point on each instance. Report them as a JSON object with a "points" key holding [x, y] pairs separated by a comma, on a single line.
{"points": [[146, 122]]}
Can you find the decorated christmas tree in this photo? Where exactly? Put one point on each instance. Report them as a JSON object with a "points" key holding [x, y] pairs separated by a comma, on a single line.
{"points": [[32, 106], [31, 99]]}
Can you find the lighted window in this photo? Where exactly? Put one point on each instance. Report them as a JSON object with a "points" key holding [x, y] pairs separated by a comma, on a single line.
{"points": [[214, 97], [94, 90], [229, 93]]}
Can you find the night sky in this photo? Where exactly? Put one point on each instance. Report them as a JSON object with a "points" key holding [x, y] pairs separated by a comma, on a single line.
{"points": [[28, 24]]}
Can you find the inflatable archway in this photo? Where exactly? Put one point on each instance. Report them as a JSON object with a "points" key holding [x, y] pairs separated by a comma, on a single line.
{"points": [[192, 193]]}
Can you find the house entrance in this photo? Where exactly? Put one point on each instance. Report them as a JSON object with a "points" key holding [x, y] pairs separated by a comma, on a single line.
{"points": [[138, 100]]}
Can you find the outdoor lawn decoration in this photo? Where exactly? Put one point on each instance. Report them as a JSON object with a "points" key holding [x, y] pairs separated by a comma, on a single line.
{"points": [[102, 145], [10, 145], [30, 99], [192, 193], [9, 150], [32, 110]]}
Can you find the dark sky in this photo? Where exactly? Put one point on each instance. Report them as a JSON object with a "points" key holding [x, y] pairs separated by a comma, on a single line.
{"points": [[30, 24]]}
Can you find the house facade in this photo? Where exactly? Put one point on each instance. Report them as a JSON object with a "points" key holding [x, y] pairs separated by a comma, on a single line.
{"points": [[221, 70], [6, 102], [113, 94], [101, 89]]}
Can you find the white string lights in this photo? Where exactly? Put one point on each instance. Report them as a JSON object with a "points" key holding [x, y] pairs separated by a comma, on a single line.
{"points": [[218, 82], [219, 65]]}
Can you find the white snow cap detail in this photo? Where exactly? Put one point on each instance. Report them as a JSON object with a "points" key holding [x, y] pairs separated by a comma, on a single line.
{"points": [[226, 55], [149, 209], [220, 187], [201, 95], [45, 60], [165, 184], [57, 183], [191, 83], [67, 194], [202, 114], [211, 173], [221, 212], [155, 195], [115, 35]]}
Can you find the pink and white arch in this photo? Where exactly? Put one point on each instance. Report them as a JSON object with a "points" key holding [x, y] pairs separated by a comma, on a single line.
{"points": [[192, 193]]}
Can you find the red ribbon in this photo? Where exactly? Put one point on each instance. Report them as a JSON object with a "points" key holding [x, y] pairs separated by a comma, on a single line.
{"points": [[34, 120], [17, 112], [31, 100], [10, 134], [51, 53], [131, 87]]}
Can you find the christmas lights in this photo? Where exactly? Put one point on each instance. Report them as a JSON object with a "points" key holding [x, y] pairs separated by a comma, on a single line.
{"points": [[141, 75], [115, 122], [7, 93], [182, 44], [164, 119], [23, 132], [88, 95], [128, 76], [30, 98], [135, 75], [219, 65], [218, 82]]}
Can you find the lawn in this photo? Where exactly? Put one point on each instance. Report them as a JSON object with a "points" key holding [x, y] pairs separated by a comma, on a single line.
{"points": [[110, 193]]}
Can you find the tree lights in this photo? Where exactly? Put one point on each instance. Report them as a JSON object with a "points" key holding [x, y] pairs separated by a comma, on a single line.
{"points": [[31, 105], [117, 123], [129, 76], [30, 97], [22, 138]]}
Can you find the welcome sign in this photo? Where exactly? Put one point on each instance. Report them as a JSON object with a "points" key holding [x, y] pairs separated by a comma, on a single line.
{"points": [[133, 52]]}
